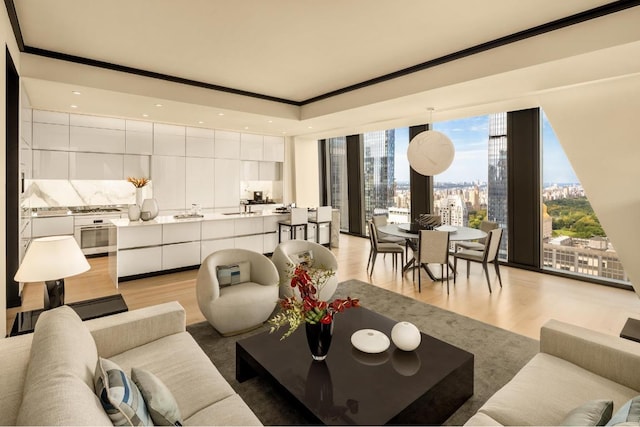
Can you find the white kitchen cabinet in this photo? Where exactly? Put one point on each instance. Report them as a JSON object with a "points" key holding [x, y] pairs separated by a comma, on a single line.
{"points": [[273, 149], [200, 142], [270, 242], [168, 140], [140, 236], [271, 222], [50, 164], [208, 247], [226, 183], [52, 117], [50, 136], [180, 255], [168, 175], [138, 137], [250, 170], [200, 179], [52, 226], [136, 166], [246, 226], [227, 145], [250, 243], [95, 166], [139, 261], [269, 171], [251, 146], [96, 140], [85, 120], [181, 232], [217, 229]]}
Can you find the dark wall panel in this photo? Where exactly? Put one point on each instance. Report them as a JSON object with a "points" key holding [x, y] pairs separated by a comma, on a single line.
{"points": [[421, 186], [12, 225], [523, 135], [355, 185]]}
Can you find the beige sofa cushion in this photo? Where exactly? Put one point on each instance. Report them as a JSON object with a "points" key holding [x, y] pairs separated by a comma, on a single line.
{"points": [[184, 368], [547, 389], [14, 356], [59, 383], [231, 411]]}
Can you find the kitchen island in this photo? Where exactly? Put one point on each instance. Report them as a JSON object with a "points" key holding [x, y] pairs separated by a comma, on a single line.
{"points": [[166, 243]]}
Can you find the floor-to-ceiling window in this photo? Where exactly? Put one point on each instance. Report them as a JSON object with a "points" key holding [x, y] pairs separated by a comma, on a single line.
{"points": [[474, 187], [573, 240], [386, 174], [337, 182]]}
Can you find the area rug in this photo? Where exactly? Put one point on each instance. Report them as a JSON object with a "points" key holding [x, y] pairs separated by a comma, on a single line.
{"points": [[499, 354]]}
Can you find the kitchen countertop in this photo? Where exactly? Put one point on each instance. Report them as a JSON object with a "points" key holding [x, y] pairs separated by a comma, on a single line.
{"points": [[169, 219]]}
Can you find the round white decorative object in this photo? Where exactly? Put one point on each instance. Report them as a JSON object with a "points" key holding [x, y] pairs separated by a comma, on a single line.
{"points": [[406, 336], [151, 206], [430, 152], [370, 341], [134, 213]]}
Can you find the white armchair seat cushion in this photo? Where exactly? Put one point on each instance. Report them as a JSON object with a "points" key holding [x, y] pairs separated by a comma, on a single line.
{"points": [[242, 306]]}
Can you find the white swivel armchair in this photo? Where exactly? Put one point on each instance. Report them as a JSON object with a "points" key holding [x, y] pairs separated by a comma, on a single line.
{"points": [[237, 308], [284, 256]]}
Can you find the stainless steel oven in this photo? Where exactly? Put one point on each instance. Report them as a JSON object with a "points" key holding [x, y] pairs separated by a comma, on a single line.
{"points": [[95, 234]]}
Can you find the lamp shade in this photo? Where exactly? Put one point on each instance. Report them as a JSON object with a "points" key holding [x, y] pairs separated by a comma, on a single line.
{"points": [[51, 258], [430, 153]]}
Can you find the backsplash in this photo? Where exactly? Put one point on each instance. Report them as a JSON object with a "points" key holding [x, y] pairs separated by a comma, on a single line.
{"points": [[43, 193]]}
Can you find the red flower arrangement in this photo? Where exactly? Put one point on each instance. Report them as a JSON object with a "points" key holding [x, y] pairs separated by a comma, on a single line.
{"points": [[308, 308]]}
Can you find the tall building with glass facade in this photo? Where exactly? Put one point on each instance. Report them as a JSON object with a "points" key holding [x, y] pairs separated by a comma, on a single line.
{"points": [[338, 178], [497, 176], [379, 167]]}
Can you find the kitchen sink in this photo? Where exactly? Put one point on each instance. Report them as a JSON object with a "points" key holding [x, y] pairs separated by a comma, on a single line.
{"points": [[188, 216], [242, 213]]}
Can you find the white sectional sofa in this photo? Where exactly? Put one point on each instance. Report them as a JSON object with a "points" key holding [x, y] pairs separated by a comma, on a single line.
{"points": [[47, 377], [574, 365]]}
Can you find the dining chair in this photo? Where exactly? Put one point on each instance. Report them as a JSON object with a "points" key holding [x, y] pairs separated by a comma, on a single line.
{"points": [[489, 254], [383, 248], [479, 244], [433, 248]]}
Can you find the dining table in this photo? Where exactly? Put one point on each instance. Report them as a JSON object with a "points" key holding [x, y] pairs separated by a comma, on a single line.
{"points": [[457, 233]]}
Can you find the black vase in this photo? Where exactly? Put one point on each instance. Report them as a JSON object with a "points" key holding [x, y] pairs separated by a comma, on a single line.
{"points": [[319, 339]]}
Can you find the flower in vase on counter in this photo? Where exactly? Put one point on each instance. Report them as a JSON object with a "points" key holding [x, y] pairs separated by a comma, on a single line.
{"points": [[138, 182], [308, 308]]}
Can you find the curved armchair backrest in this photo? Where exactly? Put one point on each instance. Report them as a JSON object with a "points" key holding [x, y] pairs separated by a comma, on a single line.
{"points": [[322, 257], [262, 271]]}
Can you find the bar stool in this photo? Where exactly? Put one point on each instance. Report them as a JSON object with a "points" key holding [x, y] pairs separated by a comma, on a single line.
{"points": [[323, 216], [299, 217]]}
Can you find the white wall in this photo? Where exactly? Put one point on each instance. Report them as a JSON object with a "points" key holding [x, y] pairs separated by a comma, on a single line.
{"points": [[597, 127], [6, 35], [306, 179]]}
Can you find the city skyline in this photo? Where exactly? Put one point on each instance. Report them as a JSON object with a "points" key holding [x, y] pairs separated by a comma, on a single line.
{"points": [[470, 137]]}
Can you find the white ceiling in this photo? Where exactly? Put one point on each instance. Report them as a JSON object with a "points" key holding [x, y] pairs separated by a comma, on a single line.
{"points": [[299, 49]]}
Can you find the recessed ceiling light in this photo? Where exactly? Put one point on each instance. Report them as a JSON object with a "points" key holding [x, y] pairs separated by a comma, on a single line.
{"points": [[246, 127], [221, 114], [269, 121], [158, 105], [145, 115], [200, 122], [73, 106], [284, 131], [76, 92], [309, 127]]}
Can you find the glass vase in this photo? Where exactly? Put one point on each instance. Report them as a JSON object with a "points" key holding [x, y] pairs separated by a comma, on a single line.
{"points": [[319, 339]]}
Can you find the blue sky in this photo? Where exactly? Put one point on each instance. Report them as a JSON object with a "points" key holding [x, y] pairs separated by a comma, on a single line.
{"points": [[470, 137]]}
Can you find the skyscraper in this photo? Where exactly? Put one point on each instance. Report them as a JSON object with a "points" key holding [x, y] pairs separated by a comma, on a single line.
{"points": [[497, 185], [379, 166], [338, 182]]}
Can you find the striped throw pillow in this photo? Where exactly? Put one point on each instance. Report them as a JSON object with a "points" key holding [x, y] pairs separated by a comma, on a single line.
{"points": [[120, 397]]}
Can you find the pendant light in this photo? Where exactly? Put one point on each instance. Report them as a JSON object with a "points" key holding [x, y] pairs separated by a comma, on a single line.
{"points": [[430, 152]]}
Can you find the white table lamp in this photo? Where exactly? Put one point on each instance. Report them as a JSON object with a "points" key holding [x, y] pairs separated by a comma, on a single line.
{"points": [[50, 260]]}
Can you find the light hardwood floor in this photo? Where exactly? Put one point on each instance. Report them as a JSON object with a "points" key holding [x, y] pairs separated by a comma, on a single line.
{"points": [[526, 301]]}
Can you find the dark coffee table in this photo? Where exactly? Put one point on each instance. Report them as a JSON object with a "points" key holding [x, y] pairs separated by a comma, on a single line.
{"points": [[425, 386]]}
